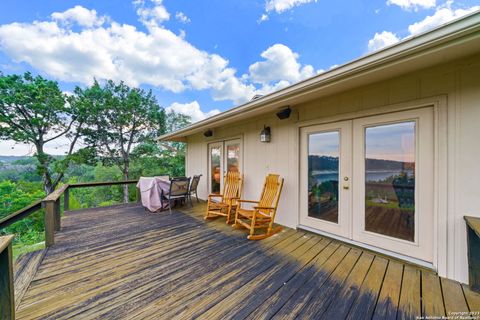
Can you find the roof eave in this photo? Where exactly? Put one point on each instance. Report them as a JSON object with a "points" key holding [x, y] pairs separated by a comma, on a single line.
{"points": [[432, 39]]}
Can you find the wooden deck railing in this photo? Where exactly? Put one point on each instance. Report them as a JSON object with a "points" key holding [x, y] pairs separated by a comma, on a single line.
{"points": [[51, 204]]}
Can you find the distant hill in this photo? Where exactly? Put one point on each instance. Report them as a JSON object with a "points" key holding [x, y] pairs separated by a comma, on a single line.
{"points": [[331, 163], [8, 159]]}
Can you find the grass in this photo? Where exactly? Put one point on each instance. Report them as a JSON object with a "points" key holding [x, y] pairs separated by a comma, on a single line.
{"points": [[22, 248]]}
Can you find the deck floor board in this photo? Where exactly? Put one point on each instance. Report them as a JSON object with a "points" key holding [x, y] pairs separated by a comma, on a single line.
{"points": [[121, 262]]}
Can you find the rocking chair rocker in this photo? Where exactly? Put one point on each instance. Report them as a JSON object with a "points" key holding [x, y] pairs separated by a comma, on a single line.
{"points": [[263, 213]]}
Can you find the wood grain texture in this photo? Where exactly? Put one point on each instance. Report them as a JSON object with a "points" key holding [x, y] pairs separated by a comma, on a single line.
{"points": [[26, 267], [7, 295], [432, 298], [122, 262]]}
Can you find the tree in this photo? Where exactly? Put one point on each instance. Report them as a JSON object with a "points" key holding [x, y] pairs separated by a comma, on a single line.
{"points": [[153, 157], [120, 118], [34, 110]]}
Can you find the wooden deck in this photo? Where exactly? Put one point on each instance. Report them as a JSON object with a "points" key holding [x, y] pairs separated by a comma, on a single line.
{"points": [[122, 262]]}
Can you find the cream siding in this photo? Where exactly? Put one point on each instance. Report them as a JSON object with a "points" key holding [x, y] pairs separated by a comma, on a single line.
{"points": [[458, 83]]}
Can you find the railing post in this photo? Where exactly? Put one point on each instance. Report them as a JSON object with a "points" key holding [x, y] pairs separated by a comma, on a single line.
{"points": [[58, 220], [66, 200], [7, 298], [50, 227]]}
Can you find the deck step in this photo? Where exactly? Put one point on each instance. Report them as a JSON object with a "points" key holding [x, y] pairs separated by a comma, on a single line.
{"points": [[26, 267]]}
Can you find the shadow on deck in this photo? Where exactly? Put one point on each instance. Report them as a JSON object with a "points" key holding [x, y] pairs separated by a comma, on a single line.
{"points": [[122, 262]]}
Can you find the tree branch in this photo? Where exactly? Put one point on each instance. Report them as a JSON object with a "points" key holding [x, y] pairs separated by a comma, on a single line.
{"points": [[61, 133]]}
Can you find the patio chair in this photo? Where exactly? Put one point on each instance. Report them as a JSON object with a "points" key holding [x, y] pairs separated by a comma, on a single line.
{"points": [[227, 201], [262, 215], [178, 190], [193, 187]]}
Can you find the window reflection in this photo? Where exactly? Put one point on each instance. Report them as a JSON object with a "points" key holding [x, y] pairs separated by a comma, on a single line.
{"points": [[233, 157], [390, 180], [323, 164], [215, 158]]}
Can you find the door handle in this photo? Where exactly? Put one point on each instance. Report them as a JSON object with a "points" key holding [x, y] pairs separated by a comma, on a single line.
{"points": [[346, 183]]}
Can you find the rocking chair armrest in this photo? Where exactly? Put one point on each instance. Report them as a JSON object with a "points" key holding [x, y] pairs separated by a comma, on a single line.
{"points": [[248, 201], [263, 208]]}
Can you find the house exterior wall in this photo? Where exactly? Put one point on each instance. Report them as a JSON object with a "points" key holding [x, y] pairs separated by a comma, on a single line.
{"points": [[456, 83]]}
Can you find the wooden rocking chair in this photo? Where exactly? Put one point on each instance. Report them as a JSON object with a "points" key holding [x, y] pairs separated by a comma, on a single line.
{"points": [[263, 213], [226, 201]]}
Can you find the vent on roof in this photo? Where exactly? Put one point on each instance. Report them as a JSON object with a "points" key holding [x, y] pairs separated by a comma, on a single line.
{"points": [[257, 96]]}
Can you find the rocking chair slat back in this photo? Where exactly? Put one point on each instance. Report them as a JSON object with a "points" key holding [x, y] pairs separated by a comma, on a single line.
{"points": [[271, 191], [233, 185]]}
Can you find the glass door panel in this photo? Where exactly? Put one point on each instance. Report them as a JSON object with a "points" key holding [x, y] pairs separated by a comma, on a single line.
{"points": [[390, 180], [223, 156], [393, 166], [215, 151], [323, 170], [232, 154]]}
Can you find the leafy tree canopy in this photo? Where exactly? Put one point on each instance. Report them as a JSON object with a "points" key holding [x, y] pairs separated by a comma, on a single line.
{"points": [[34, 110], [120, 118]]}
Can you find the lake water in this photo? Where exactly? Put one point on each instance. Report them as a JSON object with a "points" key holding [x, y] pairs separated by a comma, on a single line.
{"points": [[322, 176]]}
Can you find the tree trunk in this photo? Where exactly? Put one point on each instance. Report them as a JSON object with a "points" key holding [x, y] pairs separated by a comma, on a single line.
{"points": [[42, 158], [47, 184], [125, 186]]}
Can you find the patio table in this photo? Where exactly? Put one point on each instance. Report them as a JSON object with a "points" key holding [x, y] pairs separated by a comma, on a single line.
{"points": [[152, 189]]}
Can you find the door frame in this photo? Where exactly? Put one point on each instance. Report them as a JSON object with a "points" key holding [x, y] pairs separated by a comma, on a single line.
{"points": [[343, 227], [222, 142], [422, 247], [443, 199]]}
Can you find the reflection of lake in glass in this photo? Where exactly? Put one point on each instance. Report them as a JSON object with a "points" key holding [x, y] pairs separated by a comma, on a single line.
{"points": [[321, 176]]}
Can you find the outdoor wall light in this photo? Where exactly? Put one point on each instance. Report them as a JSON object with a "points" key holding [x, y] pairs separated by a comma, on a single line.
{"points": [[208, 133], [284, 113], [265, 135]]}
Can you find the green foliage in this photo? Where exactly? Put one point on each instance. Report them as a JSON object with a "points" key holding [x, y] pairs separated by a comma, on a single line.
{"points": [[119, 118], [15, 196], [35, 111], [119, 125]]}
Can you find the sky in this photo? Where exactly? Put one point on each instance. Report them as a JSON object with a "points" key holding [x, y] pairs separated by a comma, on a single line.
{"points": [[202, 57]]}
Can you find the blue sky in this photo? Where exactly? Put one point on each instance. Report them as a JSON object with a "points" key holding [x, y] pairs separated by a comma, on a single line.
{"points": [[203, 57]]}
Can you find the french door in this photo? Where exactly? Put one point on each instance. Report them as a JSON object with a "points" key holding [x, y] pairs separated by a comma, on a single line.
{"points": [[223, 156], [371, 180]]}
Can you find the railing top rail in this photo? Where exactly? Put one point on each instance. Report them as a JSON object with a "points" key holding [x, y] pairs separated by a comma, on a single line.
{"points": [[20, 214], [56, 194], [5, 241], [100, 183]]}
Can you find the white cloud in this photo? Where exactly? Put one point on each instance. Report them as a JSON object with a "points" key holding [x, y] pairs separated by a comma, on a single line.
{"points": [[413, 4], [441, 16], [116, 51], [192, 110], [81, 16], [159, 57], [180, 16], [280, 64], [151, 12], [264, 17], [280, 6], [381, 40]]}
